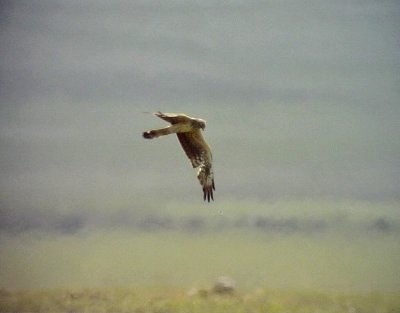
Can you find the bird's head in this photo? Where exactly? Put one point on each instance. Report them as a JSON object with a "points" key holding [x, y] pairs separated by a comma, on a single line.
{"points": [[200, 123]]}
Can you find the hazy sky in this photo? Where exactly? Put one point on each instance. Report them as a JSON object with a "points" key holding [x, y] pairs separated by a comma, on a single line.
{"points": [[301, 100]]}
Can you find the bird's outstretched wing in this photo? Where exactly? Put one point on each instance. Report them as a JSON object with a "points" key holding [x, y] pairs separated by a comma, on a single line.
{"points": [[188, 130], [199, 154], [173, 118]]}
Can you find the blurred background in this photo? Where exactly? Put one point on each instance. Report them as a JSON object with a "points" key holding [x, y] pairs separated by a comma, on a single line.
{"points": [[302, 107]]}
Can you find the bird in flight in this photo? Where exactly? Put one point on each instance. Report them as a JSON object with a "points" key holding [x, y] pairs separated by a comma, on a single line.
{"points": [[188, 130]]}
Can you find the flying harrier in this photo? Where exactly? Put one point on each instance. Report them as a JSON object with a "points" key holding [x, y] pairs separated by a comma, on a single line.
{"points": [[197, 150]]}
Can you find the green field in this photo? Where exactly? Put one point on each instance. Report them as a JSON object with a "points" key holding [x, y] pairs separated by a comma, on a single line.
{"points": [[284, 257], [116, 259], [176, 300]]}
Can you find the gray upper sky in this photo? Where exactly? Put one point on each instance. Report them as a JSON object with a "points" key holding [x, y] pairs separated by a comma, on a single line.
{"points": [[301, 100]]}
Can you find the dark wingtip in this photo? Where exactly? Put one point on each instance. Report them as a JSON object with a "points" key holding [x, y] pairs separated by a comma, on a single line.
{"points": [[147, 135], [208, 194]]}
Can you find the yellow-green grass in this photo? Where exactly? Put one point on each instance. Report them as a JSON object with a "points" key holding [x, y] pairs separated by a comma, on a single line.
{"points": [[176, 300], [299, 256], [323, 261]]}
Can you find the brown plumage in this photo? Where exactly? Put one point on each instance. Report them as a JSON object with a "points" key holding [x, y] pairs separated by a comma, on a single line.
{"points": [[188, 130]]}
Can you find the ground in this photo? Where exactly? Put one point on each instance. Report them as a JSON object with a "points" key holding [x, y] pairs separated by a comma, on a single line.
{"points": [[160, 300]]}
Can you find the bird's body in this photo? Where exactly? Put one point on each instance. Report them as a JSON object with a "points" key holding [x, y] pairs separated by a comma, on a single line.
{"points": [[188, 130]]}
